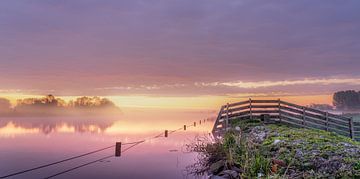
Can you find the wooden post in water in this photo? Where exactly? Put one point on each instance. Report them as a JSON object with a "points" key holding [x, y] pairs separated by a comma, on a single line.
{"points": [[351, 128], [194, 124], [200, 122], [184, 127], [118, 149], [166, 133]]}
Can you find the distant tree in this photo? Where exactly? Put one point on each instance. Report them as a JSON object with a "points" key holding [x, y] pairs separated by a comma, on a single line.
{"points": [[49, 105], [91, 102], [61, 102], [5, 105], [322, 106], [47, 101], [346, 99]]}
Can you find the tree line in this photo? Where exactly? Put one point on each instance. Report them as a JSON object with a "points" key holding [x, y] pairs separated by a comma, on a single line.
{"points": [[49, 104]]}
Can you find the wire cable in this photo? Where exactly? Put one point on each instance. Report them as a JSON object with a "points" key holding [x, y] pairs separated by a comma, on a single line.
{"points": [[89, 153], [57, 162], [95, 161]]}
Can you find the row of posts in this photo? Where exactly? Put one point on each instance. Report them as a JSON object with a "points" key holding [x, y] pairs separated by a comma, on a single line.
{"points": [[166, 134]]}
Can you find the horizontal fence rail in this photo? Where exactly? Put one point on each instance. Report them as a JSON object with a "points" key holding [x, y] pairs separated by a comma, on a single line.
{"points": [[289, 113]]}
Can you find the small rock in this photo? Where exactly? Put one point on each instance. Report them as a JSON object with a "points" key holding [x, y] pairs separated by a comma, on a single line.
{"points": [[276, 141], [216, 167], [299, 153], [279, 162], [218, 177], [274, 168], [237, 169], [230, 173]]}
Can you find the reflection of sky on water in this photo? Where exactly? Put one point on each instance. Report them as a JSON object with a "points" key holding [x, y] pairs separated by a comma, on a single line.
{"points": [[13, 126], [35, 143]]}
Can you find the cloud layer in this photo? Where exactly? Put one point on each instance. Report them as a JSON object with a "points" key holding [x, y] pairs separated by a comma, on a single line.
{"points": [[169, 46]]}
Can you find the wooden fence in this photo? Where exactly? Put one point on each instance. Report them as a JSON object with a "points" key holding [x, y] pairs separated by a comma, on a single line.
{"points": [[289, 113]]}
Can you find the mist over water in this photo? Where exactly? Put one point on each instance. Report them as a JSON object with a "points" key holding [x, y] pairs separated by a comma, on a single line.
{"points": [[31, 141]]}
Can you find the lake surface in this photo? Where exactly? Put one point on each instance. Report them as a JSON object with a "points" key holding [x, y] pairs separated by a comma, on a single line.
{"points": [[30, 142]]}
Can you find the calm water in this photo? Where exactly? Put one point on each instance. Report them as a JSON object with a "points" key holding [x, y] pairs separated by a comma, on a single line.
{"points": [[29, 142]]}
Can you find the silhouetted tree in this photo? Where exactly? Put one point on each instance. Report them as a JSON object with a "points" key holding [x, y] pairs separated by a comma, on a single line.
{"points": [[5, 105], [347, 99]]}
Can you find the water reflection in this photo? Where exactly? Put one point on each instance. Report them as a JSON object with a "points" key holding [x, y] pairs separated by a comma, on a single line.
{"points": [[37, 141], [23, 125]]}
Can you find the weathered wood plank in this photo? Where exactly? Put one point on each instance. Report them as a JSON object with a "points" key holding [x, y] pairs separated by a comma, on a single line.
{"points": [[292, 115], [218, 118], [264, 101], [301, 112], [344, 133], [264, 111], [238, 103], [236, 109], [264, 106], [238, 114], [306, 108], [304, 118], [340, 127], [291, 119], [339, 117], [285, 119], [337, 122]]}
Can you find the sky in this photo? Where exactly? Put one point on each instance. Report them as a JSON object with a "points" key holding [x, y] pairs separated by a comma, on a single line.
{"points": [[210, 50]]}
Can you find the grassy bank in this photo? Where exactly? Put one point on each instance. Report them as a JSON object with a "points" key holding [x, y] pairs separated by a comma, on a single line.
{"points": [[279, 151]]}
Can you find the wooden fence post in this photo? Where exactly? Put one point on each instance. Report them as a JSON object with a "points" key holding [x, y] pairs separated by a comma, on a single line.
{"points": [[351, 128], [118, 149], [166, 133], [304, 117], [217, 119], [250, 108], [279, 106], [227, 117], [327, 121]]}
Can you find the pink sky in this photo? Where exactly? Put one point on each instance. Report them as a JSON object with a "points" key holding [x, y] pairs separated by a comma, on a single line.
{"points": [[179, 49]]}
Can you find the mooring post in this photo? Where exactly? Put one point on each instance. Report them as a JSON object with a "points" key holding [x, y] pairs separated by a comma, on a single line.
{"points": [[166, 133], [118, 149], [200, 122], [184, 127], [194, 124]]}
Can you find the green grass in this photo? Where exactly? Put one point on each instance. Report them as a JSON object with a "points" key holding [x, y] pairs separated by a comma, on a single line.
{"points": [[255, 159]]}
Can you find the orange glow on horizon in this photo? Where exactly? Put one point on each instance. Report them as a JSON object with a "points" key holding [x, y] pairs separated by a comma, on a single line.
{"points": [[191, 103]]}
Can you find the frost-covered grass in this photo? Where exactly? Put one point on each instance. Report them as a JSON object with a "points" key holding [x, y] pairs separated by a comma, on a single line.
{"points": [[277, 151]]}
